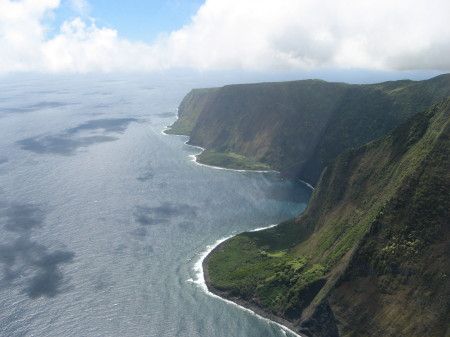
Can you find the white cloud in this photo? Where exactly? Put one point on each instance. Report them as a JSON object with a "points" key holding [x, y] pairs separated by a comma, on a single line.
{"points": [[82, 7], [20, 36], [86, 48], [77, 47], [242, 34], [379, 34]]}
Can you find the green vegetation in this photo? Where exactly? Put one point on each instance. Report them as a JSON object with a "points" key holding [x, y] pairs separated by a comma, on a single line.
{"points": [[189, 111], [231, 160], [182, 129], [372, 247], [278, 281], [405, 254], [299, 127]]}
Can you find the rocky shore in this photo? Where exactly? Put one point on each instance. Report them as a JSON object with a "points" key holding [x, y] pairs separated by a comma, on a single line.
{"points": [[250, 305]]}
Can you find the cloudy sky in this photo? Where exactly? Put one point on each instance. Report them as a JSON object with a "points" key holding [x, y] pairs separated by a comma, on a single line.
{"points": [[79, 36]]}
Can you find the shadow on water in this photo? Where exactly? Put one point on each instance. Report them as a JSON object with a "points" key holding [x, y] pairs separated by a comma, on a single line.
{"points": [[146, 176], [23, 218], [69, 141], [107, 125], [28, 264], [148, 216], [139, 233], [166, 114], [35, 107]]}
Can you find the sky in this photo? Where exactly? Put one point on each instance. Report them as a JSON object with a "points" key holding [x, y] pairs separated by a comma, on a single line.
{"points": [[85, 36]]}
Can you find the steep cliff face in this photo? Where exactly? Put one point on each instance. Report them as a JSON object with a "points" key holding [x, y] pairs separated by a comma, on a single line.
{"points": [[272, 123], [403, 264], [369, 257], [298, 127], [190, 109], [368, 112]]}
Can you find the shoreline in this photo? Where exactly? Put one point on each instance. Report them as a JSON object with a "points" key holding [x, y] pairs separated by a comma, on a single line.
{"points": [[201, 266], [283, 324], [194, 158]]}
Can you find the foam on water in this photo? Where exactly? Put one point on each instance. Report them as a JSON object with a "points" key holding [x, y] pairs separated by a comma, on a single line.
{"points": [[200, 281], [194, 158]]}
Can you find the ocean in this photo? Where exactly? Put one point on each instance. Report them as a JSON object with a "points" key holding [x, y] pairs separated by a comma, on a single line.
{"points": [[104, 218]]}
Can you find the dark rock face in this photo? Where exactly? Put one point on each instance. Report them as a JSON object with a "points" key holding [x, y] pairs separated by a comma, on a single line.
{"points": [[321, 324]]}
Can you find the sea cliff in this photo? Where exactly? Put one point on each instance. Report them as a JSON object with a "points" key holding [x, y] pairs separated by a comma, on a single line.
{"points": [[297, 127], [369, 256]]}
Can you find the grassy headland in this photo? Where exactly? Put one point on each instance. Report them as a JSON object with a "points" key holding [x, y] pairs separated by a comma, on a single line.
{"points": [[231, 160]]}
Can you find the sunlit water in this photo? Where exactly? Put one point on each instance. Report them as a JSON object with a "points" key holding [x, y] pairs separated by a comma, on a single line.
{"points": [[104, 218]]}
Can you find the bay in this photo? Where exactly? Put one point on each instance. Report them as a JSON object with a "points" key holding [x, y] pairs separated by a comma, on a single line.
{"points": [[104, 217]]}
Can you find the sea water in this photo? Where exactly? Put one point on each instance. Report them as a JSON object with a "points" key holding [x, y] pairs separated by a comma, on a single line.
{"points": [[104, 218]]}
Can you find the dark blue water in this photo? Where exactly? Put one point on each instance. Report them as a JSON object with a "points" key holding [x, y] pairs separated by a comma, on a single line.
{"points": [[104, 218]]}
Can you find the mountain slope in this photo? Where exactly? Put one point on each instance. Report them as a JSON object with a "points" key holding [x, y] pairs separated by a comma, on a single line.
{"points": [[298, 127], [369, 256], [403, 263], [190, 109]]}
